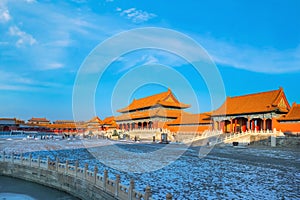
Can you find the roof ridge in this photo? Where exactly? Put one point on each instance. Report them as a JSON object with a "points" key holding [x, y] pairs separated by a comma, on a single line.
{"points": [[252, 94], [151, 96], [291, 114], [280, 92]]}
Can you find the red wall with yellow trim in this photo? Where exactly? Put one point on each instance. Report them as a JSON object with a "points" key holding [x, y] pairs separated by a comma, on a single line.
{"points": [[286, 127]]}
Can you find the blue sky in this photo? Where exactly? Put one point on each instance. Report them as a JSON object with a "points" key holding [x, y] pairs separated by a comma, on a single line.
{"points": [[43, 43]]}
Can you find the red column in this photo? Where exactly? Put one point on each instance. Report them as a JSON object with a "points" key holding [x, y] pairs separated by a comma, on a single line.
{"points": [[231, 126], [223, 126], [235, 123], [264, 127]]}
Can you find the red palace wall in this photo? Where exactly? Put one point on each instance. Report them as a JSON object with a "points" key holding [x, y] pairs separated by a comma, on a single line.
{"points": [[286, 127]]}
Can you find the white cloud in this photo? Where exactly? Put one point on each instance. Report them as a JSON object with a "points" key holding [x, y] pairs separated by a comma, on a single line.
{"points": [[262, 60], [10, 87], [4, 43], [15, 82], [4, 13], [30, 1], [54, 65], [60, 43], [136, 16], [23, 37], [15, 78], [79, 1], [265, 60], [21, 82], [173, 51], [131, 61]]}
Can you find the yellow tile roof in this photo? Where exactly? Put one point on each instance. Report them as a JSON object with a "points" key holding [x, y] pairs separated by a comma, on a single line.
{"points": [[185, 119], [166, 99], [254, 103], [293, 114], [157, 112]]}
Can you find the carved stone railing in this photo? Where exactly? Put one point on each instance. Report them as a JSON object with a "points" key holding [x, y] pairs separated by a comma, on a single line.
{"points": [[205, 135], [112, 187]]}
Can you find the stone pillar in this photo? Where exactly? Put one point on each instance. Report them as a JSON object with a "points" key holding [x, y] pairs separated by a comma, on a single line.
{"points": [[169, 196], [105, 175], [76, 167], [57, 163], [67, 167], [273, 141], [39, 161], [12, 157], [30, 159], [95, 174], [147, 194], [86, 167], [21, 158], [48, 162], [130, 190], [117, 183]]}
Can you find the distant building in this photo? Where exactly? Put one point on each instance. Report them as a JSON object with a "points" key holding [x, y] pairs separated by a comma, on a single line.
{"points": [[188, 123], [263, 111], [109, 123], [8, 124], [290, 122], [151, 112], [94, 124], [63, 122], [253, 112], [35, 120]]}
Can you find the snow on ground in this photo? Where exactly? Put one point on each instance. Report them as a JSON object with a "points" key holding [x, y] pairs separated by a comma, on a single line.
{"points": [[225, 173]]}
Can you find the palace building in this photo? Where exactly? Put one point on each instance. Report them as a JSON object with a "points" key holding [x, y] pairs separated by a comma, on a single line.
{"points": [[35, 120], [252, 112], [151, 112], [290, 122], [8, 124], [109, 123], [152, 115], [187, 123]]}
